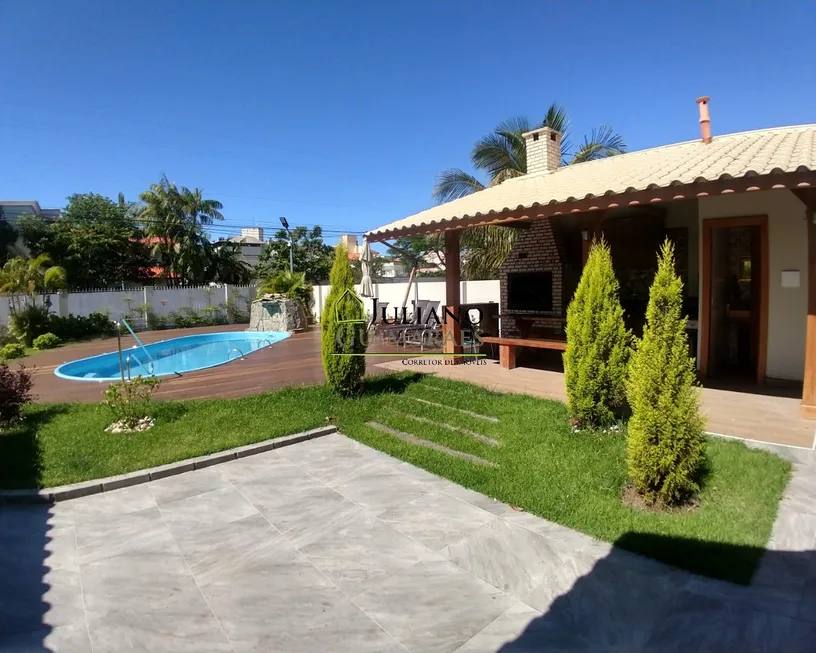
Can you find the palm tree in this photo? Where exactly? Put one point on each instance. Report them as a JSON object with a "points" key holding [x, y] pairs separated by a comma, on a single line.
{"points": [[227, 266], [290, 284], [29, 278], [175, 219], [197, 210], [502, 155], [162, 222]]}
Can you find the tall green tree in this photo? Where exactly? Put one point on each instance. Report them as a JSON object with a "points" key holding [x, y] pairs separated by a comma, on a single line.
{"points": [[175, 219], [667, 430], [311, 255], [343, 330], [598, 344], [8, 238], [94, 240], [416, 249], [502, 155]]}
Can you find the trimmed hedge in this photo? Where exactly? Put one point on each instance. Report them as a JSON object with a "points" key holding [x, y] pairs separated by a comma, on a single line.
{"points": [[598, 344], [666, 431], [343, 330]]}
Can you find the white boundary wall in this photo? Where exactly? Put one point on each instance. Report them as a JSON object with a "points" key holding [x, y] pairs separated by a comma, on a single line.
{"points": [[472, 292], [162, 300], [166, 300]]}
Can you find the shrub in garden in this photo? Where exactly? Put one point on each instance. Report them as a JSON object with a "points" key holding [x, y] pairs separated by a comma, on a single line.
{"points": [[213, 315], [11, 351], [5, 336], [598, 344], [15, 392], [34, 321], [129, 401], [292, 285], [666, 430], [238, 311], [78, 327], [343, 329], [46, 341], [29, 322]]}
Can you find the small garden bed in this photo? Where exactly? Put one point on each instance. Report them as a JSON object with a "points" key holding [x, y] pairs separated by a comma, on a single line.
{"points": [[539, 465]]}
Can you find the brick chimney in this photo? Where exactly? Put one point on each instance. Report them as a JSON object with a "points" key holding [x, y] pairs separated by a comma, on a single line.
{"points": [[543, 150]]}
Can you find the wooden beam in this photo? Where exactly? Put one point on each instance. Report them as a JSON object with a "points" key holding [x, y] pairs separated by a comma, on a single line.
{"points": [[794, 181], [451, 329], [593, 233], [808, 406]]}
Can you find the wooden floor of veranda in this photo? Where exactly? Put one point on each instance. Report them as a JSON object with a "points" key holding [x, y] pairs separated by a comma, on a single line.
{"points": [[767, 414]]}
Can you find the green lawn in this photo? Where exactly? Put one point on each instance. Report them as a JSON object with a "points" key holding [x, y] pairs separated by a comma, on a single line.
{"points": [[572, 479]]}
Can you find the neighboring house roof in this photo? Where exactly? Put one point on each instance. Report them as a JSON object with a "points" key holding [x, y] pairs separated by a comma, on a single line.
{"points": [[246, 240], [34, 205], [733, 156], [153, 240]]}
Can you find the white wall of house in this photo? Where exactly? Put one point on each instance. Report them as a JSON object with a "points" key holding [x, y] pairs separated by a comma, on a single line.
{"points": [[472, 292], [787, 250]]}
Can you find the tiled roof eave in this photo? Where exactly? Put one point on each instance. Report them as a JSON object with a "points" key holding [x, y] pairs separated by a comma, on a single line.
{"points": [[725, 184]]}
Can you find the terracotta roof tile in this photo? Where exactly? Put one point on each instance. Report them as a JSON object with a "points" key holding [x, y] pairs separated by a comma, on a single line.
{"points": [[761, 152]]}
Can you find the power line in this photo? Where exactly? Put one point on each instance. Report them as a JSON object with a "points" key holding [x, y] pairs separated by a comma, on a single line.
{"points": [[220, 226], [226, 230]]}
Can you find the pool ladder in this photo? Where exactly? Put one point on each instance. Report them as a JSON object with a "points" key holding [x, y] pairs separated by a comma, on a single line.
{"points": [[240, 353], [150, 367], [125, 364]]}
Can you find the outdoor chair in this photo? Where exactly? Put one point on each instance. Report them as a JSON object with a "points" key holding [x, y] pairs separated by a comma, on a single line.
{"points": [[422, 333]]}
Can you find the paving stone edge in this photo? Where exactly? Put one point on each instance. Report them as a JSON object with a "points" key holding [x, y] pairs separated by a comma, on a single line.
{"points": [[96, 486]]}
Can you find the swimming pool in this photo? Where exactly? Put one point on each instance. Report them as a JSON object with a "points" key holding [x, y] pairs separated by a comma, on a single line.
{"points": [[174, 356]]}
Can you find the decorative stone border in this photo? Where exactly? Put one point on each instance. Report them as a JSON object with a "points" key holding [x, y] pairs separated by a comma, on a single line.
{"points": [[96, 486]]}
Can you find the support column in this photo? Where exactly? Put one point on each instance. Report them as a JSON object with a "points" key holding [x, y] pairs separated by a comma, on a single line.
{"points": [[591, 234], [808, 409], [451, 329]]}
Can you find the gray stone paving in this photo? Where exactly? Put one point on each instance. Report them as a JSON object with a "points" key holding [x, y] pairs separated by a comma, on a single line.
{"points": [[331, 546]]}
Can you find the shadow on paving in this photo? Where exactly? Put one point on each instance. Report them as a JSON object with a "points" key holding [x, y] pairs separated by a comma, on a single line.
{"points": [[29, 559], [619, 604], [29, 563]]}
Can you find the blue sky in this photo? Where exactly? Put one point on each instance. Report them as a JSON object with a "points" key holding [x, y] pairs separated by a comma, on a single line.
{"points": [[342, 113]]}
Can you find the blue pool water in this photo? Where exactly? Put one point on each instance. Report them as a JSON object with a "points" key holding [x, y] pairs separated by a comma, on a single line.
{"points": [[174, 356]]}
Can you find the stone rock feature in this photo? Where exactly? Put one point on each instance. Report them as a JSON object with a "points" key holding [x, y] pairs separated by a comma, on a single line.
{"points": [[276, 313]]}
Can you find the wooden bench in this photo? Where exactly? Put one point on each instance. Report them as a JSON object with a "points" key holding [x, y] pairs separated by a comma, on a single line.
{"points": [[507, 347]]}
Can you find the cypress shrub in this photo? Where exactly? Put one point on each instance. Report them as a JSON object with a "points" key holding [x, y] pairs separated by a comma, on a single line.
{"points": [[343, 329], [666, 430], [598, 344]]}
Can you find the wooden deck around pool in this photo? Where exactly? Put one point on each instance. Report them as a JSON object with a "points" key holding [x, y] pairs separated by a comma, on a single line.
{"points": [[294, 361]]}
